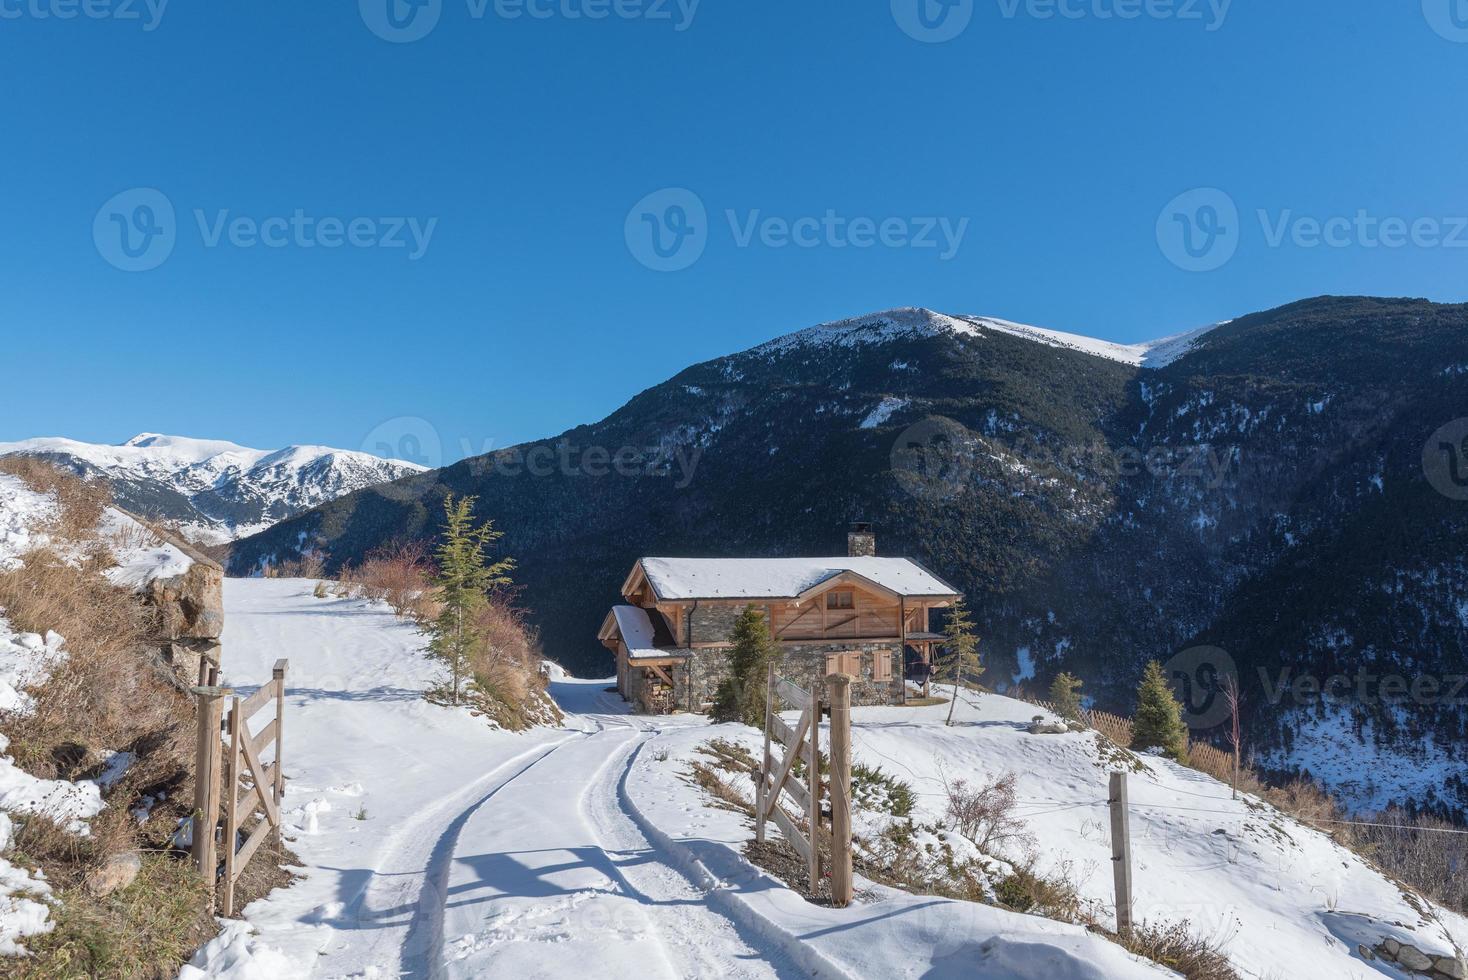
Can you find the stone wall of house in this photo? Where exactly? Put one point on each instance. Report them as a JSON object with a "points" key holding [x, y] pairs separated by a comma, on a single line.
{"points": [[803, 664], [712, 624]]}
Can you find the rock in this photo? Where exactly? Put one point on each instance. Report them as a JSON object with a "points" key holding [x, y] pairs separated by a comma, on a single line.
{"points": [[1366, 952], [1051, 729], [1414, 959], [116, 873], [1392, 947], [190, 606], [1451, 966]]}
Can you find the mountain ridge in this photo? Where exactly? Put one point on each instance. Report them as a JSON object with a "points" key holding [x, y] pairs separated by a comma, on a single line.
{"points": [[215, 490], [1253, 494]]}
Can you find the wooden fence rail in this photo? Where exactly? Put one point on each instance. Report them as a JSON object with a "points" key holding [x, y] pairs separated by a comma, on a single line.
{"points": [[243, 783], [809, 837]]}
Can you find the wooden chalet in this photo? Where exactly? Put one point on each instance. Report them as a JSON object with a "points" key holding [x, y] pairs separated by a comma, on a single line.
{"points": [[858, 614]]}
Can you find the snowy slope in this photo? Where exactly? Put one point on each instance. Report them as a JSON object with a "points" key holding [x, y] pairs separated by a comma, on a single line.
{"points": [[1281, 899], [480, 853], [25, 660], [218, 490], [907, 322]]}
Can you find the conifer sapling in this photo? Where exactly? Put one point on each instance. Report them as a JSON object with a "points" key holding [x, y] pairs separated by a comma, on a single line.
{"points": [[960, 656], [741, 696], [1065, 694], [465, 578], [1158, 722]]}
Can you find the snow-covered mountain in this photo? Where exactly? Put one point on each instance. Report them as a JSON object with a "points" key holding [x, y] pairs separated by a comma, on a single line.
{"points": [[217, 491], [1265, 496]]}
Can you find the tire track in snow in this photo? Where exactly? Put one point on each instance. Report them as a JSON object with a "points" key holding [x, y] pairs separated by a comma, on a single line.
{"points": [[701, 942], [419, 950]]}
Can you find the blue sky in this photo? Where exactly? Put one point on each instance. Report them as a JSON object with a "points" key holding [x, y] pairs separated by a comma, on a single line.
{"points": [[1057, 145]]}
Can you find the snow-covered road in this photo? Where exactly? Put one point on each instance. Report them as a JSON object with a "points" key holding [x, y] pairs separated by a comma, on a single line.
{"points": [[552, 873], [435, 846]]}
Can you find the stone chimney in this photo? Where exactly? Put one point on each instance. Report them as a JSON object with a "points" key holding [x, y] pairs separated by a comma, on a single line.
{"points": [[861, 542]]}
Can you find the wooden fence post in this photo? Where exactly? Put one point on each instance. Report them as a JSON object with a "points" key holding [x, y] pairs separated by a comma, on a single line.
{"points": [[813, 787], [278, 675], [231, 804], [840, 693], [209, 698], [764, 773], [1121, 853]]}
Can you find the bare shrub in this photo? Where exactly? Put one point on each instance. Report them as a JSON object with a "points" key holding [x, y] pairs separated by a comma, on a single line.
{"points": [[311, 564], [401, 576], [505, 665], [985, 814]]}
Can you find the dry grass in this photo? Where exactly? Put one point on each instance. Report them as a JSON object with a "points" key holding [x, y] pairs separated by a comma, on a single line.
{"points": [[1176, 947], [80, 503], [111, 693]]}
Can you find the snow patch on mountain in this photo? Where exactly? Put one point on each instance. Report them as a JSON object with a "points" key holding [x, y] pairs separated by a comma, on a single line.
{"points": [[913, 322]]}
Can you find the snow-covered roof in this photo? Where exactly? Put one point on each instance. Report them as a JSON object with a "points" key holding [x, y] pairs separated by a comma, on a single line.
{"points": [[639, 633], [780, 578], [636, 630]]}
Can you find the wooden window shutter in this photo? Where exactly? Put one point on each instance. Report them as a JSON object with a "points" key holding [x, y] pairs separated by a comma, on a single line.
{"points": [[881, 666]]}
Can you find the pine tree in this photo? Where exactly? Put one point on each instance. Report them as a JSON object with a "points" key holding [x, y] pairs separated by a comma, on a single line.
{"points": [[960, 656], [1065, 694], [463, 583], [741, 696], [1158, 721]]}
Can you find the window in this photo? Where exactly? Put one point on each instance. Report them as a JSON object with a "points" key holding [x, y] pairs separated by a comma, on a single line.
{"points": [[840, 599]]}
